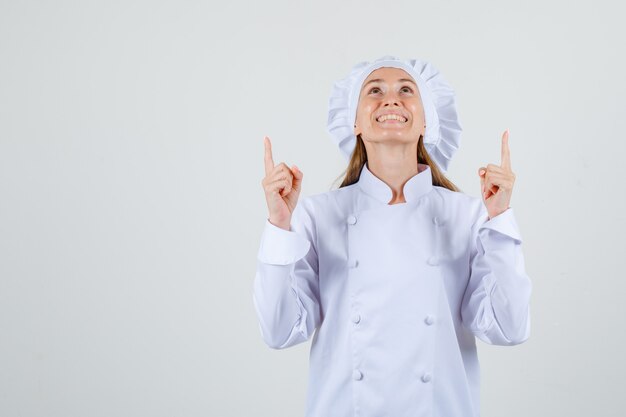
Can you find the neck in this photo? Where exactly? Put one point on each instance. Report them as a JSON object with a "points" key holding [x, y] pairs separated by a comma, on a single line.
{"points": [[394, 167]]}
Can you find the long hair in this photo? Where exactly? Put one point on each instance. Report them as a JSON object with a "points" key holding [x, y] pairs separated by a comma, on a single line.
{"points": [[359, 158]]}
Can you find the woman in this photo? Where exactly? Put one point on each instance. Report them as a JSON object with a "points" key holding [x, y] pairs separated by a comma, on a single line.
{"points": [[397, 271]]}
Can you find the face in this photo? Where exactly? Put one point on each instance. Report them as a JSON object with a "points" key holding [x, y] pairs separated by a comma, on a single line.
{"points": [[390, 94]]}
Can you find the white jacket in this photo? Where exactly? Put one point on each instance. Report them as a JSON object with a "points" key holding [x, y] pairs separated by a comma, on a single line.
{"points": [[397, 294]]}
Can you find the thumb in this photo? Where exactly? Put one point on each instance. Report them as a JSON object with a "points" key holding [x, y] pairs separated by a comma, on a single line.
{"points": [[481, 175], [297, 177]]}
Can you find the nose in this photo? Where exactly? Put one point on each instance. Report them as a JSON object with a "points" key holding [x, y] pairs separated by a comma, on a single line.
{"points": [[391, 99], [391, 103]]}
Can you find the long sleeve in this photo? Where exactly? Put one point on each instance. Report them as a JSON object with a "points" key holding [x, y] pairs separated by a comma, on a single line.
{"points": [[286, 288], [496, 302]]}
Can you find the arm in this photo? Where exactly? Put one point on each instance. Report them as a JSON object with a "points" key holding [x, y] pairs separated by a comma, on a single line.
{"points": [[286, 290], [495, 305]]}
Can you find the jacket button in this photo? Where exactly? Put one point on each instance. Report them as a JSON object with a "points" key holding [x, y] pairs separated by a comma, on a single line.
{"points": [[351, 219], [356, 318], [433, 260], [426, 377], [357, 375], [429, 319], [353, 263]]}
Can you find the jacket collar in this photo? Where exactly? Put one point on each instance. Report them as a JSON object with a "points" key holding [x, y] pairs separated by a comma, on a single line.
{"points": [[416, 186]]}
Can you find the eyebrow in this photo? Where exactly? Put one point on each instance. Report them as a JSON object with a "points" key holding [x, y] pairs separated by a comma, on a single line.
{"points": [[400, 80]]}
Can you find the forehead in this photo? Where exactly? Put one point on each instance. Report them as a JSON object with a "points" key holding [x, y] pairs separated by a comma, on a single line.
{"points": [[388, 74]]}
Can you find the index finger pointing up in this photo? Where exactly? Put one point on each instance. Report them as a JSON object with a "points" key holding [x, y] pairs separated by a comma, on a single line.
{"points": [[505, 158], [269, 161]]}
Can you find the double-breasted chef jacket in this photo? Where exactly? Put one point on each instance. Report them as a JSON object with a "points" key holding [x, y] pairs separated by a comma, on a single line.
{"points": [[397, 293]]}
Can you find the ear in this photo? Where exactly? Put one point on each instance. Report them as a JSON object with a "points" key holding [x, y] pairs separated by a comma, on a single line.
{"points": [[357, 131]]}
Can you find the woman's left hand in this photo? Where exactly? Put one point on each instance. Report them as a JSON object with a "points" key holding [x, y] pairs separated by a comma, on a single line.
{"points": [[497, 181]]}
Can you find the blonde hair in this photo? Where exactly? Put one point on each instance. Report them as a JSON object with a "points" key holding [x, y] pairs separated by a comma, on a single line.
{"points": [[359, 158]]}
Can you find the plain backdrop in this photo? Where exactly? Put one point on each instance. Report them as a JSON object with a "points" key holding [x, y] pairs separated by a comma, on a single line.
{"points": [[131, 206]]}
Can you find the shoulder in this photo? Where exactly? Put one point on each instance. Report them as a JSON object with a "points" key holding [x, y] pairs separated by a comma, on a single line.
{"points": [[457, 197], [459, 205], [328, 200]]}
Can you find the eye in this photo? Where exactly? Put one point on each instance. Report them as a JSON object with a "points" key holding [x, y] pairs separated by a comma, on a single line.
{"points": [[374, 88], [408, 88]]}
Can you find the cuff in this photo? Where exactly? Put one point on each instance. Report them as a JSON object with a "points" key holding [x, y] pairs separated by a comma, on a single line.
{"points": [[505, 224], [280, 246]]}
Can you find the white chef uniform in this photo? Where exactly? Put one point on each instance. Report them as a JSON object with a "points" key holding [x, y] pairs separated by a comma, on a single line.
{"points": [[392, 296]]}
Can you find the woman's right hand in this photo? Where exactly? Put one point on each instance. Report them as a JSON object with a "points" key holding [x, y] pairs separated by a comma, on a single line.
{"points": [[282, 187]]}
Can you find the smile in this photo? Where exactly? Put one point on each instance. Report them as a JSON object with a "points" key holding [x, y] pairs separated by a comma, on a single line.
{"points": [[391, 118]]}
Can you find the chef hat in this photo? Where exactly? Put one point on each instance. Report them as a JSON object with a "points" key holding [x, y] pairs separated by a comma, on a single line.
{"points": [[443, 130]]}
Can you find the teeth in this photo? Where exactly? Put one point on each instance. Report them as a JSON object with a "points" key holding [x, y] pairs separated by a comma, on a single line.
{"points": [[391, 116]]}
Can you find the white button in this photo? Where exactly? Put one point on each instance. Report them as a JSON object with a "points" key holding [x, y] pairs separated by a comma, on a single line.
{"points": [[356, 318], [351, 219], [429, 319], [433, 260], [435, 220], [357, 375], [353, 263], [426, 377]]}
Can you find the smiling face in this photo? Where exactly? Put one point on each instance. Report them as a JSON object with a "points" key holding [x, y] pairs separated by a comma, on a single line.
{"points": [[390, 108]]}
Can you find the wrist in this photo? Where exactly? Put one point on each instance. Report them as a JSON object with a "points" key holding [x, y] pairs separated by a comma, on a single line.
{"points": [[286, 225]]}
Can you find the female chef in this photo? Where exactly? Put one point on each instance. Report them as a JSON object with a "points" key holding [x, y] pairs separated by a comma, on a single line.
{"points": [[396, 273]]}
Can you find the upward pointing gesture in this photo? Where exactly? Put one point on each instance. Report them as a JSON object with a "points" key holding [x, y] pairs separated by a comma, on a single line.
{"points": [[497, 181], [282, 187]]}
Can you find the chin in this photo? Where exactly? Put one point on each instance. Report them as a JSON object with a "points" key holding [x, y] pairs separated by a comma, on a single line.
{"points": [[393, 138]]}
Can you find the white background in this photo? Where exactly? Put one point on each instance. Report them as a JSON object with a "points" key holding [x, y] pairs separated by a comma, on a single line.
{"points": [[131, 207]]}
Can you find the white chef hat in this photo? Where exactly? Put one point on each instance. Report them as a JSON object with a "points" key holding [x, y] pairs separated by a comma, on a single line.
{"points": [[443, 130]]}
